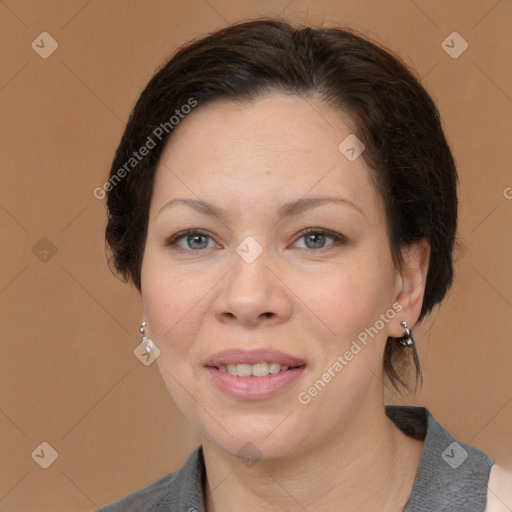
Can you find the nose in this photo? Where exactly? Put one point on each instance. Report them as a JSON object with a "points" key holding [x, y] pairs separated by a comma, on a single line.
{"points": [[253, 293]]}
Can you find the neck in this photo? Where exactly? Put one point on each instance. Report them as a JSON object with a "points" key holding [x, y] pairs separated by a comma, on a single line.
{"points": [[368, 464]]}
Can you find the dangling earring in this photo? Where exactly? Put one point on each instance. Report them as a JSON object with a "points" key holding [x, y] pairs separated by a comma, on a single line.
{"points": [[147, 342], [406, 340]]}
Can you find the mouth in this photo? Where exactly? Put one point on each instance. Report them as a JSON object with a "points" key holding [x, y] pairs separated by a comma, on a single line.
{"points": [[253, 374]]}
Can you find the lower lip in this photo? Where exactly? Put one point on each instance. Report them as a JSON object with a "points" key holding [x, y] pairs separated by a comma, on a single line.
{"points": [[253, 388]]}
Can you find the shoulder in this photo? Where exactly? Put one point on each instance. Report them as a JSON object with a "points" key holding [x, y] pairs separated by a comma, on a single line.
{"points": [[144, 499], [452, 475], [499, 494]]}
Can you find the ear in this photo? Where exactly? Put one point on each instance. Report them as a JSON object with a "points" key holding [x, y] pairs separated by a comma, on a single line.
{"points": [[410, 287]]}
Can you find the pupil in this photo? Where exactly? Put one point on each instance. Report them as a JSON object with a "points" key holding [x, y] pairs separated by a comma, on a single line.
{"points": [[319, 239], [195, 239]]}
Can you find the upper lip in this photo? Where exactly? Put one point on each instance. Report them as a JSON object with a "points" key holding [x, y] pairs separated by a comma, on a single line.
{"points": [[235, 356]]}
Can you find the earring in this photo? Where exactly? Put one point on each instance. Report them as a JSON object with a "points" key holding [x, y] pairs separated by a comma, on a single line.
{"points": [[147, 342], [406, 340]]}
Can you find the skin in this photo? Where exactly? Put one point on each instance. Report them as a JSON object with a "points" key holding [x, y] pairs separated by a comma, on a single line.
{"points": [[338, 452]]}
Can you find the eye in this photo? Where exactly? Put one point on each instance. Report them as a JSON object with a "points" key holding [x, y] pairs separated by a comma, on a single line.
{"points": [[192, 239], [315, 238]]}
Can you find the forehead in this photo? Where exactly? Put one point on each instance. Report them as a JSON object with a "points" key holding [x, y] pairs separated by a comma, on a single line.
{"points": [[276, 148]]}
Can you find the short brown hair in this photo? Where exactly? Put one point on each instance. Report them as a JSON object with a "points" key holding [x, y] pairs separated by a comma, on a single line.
{"points": [[406, 150]]}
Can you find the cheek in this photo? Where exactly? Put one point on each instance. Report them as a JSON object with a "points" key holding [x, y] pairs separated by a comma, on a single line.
{"points": [[172, 302], [349, 297]]}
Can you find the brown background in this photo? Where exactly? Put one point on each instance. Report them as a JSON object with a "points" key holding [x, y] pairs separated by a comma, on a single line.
{"points": [[68, 373]]}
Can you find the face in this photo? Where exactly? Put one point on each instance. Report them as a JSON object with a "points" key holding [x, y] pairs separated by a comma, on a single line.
{"points": [[288, 264]]}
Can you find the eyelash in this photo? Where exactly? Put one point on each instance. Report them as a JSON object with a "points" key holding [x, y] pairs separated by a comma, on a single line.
{"points": [[338, 239]]}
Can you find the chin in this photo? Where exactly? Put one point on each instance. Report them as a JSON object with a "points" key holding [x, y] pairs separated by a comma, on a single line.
{"points": [[255, 444]]}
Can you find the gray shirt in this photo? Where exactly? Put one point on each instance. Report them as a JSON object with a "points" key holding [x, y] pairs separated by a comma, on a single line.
{"points": [[452, 476]]}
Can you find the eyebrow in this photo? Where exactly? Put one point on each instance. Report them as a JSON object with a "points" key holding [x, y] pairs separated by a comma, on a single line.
{"points": [[286, 210]]}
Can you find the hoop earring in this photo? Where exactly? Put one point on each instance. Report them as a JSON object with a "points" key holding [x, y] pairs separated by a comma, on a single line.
{"points": [[406, 340], [147, 342]]}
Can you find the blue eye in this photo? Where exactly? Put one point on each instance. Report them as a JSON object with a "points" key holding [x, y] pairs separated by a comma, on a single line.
{"points": [[316, 238], [194, 240]]}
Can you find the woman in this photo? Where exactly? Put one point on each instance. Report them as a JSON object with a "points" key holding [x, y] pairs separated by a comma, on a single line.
{"points": [[286, 203]]}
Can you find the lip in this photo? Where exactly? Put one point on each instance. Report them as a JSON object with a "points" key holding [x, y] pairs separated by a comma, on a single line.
{"points": [[253, 388], [235, 356]]}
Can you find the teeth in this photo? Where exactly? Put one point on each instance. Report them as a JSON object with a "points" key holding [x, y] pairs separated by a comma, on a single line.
{"points": [[261, 369], [274, 368], [243, 370]]}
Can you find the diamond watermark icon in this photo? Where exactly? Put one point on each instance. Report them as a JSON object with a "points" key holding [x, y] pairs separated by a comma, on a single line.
{"points": [[145, 356], [249, 249], [44, 45], [454, 455], [351, 147], [454, 45], [45, 455], [249, 454], [44, 250]]}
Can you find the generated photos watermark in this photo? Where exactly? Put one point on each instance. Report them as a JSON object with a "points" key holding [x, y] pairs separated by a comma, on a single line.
{"points": [[364, 337], [145, 149]]}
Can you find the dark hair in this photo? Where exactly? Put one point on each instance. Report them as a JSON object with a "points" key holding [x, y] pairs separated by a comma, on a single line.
{"points": [[405, 148]]}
